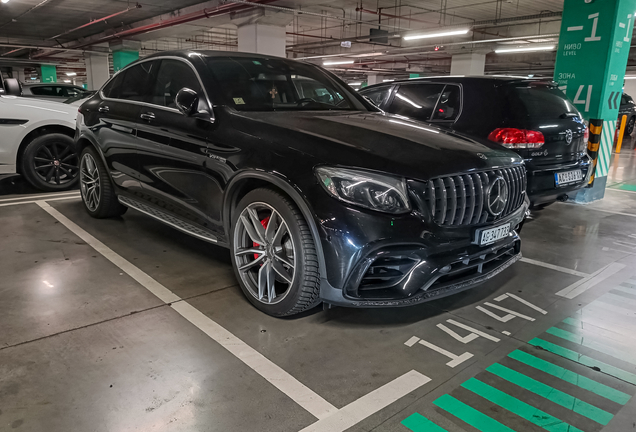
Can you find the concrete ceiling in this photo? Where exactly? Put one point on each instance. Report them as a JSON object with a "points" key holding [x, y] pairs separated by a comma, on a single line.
{"points": [[315, 29]]}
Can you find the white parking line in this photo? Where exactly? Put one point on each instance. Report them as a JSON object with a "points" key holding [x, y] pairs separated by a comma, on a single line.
{"points": [[282, 380], [39, 201], [553, 267], [330, 419], [369, 404], [588, 282], [32, 197]]}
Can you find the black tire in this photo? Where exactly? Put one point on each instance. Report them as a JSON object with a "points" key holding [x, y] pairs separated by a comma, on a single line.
{"points": [[629, 128], [303, 292], [12, 87], [98, 193], [50, 162]]}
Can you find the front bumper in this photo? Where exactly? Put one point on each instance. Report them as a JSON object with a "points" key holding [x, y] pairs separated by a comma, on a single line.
{"points": [[542, 187], [393, 271]]}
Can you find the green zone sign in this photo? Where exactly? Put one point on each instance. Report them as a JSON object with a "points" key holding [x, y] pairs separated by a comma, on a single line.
{"points": [[592, 55]]}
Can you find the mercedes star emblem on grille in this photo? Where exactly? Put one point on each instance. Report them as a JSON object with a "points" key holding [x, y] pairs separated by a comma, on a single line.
{"points": [[497, 196]]}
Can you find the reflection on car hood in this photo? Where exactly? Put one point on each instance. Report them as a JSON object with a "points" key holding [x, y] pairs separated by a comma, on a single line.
{"points": [[376, 141], [38, 104]]}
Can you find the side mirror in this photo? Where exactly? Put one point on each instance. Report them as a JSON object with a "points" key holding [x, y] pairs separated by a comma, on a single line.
{"points": [[189, 103], [187, 100]]}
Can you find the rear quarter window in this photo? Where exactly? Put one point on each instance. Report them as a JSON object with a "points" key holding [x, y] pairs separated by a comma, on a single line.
{"points": [[537, 101]]}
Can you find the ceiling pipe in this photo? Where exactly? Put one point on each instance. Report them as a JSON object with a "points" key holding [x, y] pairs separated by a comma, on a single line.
{"points": [[400, 17], [38, 47], [137, 6], [183, 19]]}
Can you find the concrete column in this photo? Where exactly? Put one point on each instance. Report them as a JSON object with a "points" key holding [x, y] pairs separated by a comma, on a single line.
{"points": [[48, 74], [18, 73], [468, 64], [262, 39], [124, 53], [262, 32], [374, 79], [97, 71], [590, 65]]}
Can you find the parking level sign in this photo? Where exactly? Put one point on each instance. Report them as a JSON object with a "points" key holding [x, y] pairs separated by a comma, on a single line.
{"points": [[592, 54]]}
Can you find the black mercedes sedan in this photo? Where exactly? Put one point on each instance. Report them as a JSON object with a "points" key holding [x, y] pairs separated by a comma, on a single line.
{"points": [[530, 116], [319, 196]]}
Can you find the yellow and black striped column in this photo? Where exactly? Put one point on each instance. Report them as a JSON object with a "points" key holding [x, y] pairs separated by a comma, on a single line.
{"points": [[596, 127]]}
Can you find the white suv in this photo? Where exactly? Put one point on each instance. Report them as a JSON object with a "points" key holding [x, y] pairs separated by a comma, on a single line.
{"points": [[36, 140]]}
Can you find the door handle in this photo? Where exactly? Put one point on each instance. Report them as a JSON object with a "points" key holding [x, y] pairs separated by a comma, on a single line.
{"points": [[103, 109], [147, 116]]}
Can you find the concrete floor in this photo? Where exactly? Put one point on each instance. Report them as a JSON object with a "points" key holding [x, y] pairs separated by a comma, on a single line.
{"points": [[128, 325]]}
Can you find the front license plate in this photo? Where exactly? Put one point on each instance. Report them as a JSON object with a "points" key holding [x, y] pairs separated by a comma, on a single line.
{"points": [[567, 177], [491, 235]]}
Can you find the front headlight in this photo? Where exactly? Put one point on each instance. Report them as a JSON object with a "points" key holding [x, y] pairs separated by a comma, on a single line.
{"points": [[369, 190]]}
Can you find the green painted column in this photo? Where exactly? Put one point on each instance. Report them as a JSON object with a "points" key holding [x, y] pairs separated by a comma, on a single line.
{"points": [[414, 75], [591, 60], [121, 59], [48, 74]]}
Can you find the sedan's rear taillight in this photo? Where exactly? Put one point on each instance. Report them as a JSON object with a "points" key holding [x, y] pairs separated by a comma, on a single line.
{"points": [[586, 135], [514, 138]]}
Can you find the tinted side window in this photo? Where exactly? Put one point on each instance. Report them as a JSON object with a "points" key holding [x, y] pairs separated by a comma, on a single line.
{"points": [[416, 100], [449, 103], [378, 95], [135, 81], [43, 91], [173, 75], [111, 90]]}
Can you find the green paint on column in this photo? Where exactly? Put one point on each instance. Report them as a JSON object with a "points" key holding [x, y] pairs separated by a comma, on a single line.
{"points": [[571, 377], [121, 59], [470, 415], [414, 75], [585, 360], [419, 423], [48, 74], [520, 408], [558, 397]]}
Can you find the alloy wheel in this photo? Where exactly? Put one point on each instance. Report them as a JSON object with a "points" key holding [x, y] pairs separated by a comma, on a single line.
{"points": [[264, 253], [56, 163], [90, 185]]}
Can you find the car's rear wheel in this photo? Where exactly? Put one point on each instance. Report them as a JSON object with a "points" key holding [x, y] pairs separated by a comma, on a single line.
{"points": [[98, 193], [629, 128], [274, 254], [50, 162]]}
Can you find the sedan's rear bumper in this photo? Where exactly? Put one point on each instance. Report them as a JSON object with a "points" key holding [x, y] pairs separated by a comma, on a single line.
{"points": [[542, 188]]}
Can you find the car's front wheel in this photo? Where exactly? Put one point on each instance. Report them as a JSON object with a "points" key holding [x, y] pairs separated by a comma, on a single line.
{"points": [[98, 193], [274, 254], [50, 162]]}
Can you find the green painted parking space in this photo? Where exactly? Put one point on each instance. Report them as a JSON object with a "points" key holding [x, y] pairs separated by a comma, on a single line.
{"points": [[518, 407], [419, 423], [470, 415], [571, 377]]}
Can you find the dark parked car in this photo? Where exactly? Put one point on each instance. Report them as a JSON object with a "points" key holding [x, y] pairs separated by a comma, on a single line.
{"points": [[530, 116], [318, 195], [627, 108]]}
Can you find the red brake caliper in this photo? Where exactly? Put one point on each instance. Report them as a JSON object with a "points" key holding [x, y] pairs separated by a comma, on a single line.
{"points": [[264, 222]]}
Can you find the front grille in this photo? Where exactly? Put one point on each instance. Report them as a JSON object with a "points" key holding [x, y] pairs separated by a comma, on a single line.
{"points": [[461, 199]]}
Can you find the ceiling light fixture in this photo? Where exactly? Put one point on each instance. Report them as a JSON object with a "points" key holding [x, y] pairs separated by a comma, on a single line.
{"points": [[331, 63], [388, 80], [5, 1], [432, 35], [355, 83], [67, 81], [630, 77], [524, 49], [71, 73]]}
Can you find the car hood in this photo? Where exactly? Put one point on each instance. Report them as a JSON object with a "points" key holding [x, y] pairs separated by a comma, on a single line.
{"points": [[36, 109], [376, 141]]}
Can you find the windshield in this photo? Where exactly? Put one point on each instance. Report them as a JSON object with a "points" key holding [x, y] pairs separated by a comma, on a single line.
{"points": [[258, 84]]}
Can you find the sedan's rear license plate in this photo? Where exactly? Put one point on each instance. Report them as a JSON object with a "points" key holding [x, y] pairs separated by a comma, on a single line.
{"points": [[491, 235], [567, 177]]}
